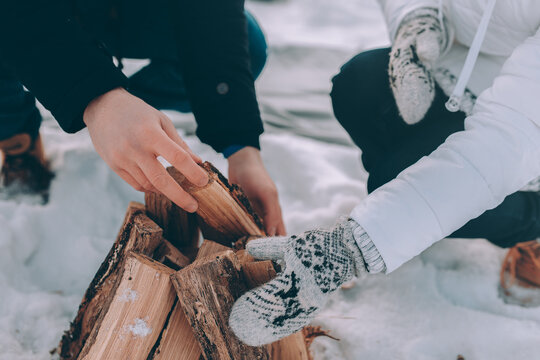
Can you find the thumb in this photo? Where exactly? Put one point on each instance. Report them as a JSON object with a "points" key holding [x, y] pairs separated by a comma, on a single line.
{"points": [[428, 48], [268, 248]]}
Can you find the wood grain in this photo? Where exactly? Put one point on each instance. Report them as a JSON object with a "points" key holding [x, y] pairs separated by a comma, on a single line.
{"points": [[222, 207], [207, 290], [138, 233], [179, 226], [137, 313]]}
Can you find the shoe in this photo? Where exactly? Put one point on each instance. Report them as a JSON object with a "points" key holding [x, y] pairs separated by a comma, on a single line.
{"points": [[521, 270], [24, 167]]}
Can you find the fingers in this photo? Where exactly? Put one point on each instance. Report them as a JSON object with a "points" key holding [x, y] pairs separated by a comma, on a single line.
{"points": [[182, 161], [428, 48], [170, 130], [273, 220], [267, 248], [130, 180], [165, 184]]}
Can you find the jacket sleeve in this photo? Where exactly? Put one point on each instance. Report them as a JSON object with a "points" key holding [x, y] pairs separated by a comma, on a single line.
{"points": [[396, 10], [215, 58], [473, 171], [54, 58]]}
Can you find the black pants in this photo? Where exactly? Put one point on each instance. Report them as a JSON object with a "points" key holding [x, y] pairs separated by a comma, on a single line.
{"points": [[364, 105]]}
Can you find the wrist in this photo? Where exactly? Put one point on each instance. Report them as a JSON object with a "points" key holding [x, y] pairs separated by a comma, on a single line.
{"points": [[371, 258], [247, 154], [102, 102], [231, 150]]}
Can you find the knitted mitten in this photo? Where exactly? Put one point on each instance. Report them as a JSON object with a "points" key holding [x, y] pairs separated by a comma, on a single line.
{"points": [[317, 263], [418, 44]]}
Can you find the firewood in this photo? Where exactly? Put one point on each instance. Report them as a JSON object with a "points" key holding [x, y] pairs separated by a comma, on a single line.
{"points": [[177, 340], [169, 255], [138, 233], [137, 313], [223, 207], [207, 290], [179, 226]]}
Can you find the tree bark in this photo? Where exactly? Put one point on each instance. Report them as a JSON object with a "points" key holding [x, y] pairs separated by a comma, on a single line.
{"points": [[137, 313], [139, 234]]}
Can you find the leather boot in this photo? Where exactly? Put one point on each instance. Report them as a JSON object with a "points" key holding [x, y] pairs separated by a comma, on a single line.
{"points": [[24, 167], [521, 270]]}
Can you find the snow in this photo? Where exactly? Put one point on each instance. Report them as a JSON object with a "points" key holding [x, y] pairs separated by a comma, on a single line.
{"points": [[442, 304], [128, 295], [139, 328]]}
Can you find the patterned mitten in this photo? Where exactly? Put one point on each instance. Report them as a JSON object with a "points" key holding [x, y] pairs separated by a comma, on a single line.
{"points": [[317, 263], [418, 44]]}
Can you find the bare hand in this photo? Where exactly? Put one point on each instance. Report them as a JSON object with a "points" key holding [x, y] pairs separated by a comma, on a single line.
{"points": [[129, 135], [246, 169]]}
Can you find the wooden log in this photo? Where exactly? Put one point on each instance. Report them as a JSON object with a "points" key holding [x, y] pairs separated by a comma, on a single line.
{"points": [[137, 313], [139, 234], [222, 207], [179, 226], [207, 290], [178, 341], [167, 254]]}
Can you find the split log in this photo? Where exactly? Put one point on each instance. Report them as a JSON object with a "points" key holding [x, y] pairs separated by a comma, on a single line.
{"points": [[207, 290], [137, 313], [169, 255], [178, 340], [179, 226], [139, 234], [223, 207]]}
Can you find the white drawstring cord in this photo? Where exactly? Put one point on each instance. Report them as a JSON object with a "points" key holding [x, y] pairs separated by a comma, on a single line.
{"points": [[455, 99]]}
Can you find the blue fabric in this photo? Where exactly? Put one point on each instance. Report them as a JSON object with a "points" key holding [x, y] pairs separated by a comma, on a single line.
{"points": [[231, 150], [365, 106]]}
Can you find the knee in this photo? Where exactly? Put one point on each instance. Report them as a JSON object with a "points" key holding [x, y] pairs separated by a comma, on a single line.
{"points": [[360, 83], [258, 48]]}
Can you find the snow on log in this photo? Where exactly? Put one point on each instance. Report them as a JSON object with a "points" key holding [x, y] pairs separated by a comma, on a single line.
{"points": [[138, 311]]}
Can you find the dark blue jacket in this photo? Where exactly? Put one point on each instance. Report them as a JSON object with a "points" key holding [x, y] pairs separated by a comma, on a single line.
{"points": [[57, 50]]}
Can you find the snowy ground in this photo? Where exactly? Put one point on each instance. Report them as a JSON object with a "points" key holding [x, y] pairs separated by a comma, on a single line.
{"points": [[440, 305]]}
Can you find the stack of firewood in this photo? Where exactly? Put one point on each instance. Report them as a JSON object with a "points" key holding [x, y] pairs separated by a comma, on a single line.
{"points": [[159, 296]]}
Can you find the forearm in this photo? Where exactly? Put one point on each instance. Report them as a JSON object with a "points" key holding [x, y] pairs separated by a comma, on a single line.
{"points": [[473, 171], [51, 55]]}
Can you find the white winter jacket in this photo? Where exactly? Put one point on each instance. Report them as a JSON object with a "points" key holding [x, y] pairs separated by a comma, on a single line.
{"points": [[497, 154]]}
